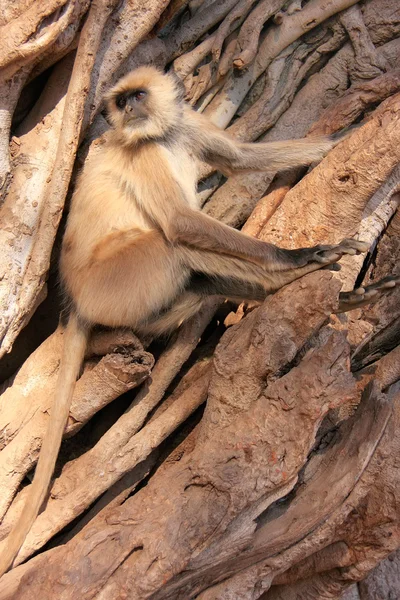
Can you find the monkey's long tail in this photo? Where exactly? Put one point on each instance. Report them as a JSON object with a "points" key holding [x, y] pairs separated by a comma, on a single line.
{"points": [[75, 340]]}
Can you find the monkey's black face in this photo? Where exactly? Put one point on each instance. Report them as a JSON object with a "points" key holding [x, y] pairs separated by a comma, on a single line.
{"points": [[144, 105], [133, 106]]}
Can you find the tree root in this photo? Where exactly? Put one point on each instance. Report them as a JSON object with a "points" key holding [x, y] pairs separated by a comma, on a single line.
{"points": [[26, 404], [235, 18], [123, 446], [277, 39], [23, 38], [250, 32], [368, 63]]}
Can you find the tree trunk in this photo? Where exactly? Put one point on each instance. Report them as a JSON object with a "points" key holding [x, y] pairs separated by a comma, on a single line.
{"points": [[254, 453]]}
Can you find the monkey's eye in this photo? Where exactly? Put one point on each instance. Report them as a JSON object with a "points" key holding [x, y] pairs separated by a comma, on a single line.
{"points": [[139, 95], [120, 102]]}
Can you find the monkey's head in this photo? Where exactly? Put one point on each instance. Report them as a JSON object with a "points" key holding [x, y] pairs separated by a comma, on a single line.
{"points": [[145, 104]]}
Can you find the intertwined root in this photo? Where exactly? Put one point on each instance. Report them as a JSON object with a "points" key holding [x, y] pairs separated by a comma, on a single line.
{"points": [[365, 295]]}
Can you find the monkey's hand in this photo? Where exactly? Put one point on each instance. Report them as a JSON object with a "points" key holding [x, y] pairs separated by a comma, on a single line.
{"points": [[369, 294], [293, 264], [321, 255]]}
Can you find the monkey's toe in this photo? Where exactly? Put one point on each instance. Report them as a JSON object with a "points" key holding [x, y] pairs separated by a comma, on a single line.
{"points": [[364, 295], [387, 283]]}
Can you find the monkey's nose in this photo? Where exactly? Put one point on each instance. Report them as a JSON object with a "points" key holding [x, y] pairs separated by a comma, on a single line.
{"points": [[128, 108]]}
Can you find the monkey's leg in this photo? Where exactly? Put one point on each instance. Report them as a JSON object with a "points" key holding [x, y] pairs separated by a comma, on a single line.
{"points": [[225, 276], [227, 287], [201, 286], [128, 279], [238, 290], [185, 306]]}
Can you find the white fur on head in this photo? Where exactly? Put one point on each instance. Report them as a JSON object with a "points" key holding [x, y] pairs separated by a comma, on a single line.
{"points": [[163, 103]]}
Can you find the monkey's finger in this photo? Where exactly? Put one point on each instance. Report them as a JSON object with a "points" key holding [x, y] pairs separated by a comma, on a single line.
{"points": [[351, 251], [358, 245], [332, 267], [383, 286], [327, 257], [329, 254]]}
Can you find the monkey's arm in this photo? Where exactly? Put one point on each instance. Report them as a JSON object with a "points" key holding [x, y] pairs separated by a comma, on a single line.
{"points": [[198, 230], [161, 197], [220, 150]]}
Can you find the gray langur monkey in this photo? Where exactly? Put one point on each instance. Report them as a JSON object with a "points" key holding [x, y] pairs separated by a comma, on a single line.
{"points": [[137, 251]]}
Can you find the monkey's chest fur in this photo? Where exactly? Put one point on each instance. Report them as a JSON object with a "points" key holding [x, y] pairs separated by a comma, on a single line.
{"points": [[116, 263]]}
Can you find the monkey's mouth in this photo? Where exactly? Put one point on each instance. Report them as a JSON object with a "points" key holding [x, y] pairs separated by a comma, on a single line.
{"points": [[133, 122]]}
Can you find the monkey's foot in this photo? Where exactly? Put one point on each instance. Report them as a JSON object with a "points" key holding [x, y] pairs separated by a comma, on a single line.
{"points": [[365, 295]]}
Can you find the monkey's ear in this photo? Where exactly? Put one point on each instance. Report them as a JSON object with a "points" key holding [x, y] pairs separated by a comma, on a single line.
{"points": [[106, 115], [179, 85]]}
